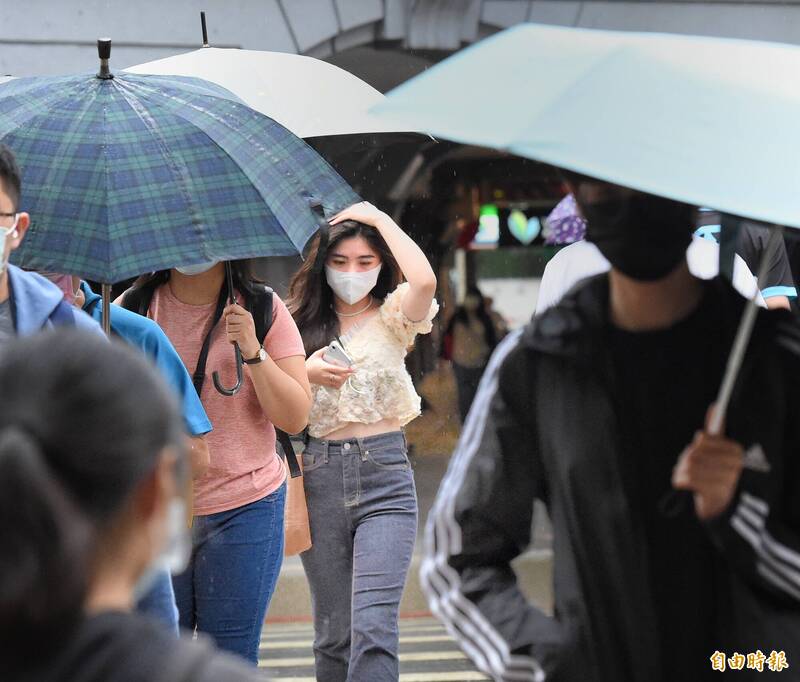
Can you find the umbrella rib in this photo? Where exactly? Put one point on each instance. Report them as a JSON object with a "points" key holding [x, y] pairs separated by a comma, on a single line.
{"points": [[226, 95]]}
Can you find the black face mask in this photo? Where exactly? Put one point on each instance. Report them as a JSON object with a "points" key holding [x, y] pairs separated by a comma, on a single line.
{"points": [[643, 236]]}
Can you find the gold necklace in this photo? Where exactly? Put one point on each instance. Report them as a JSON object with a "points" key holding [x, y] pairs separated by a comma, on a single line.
{"points": [[363, 310]]}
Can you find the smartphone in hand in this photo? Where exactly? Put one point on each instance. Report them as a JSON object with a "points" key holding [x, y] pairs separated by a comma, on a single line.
{"points": [[336, 355]]}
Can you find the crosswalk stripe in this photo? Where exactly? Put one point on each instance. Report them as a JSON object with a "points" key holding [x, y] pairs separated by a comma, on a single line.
{"points": [[457, 676], [404, 658], [285, 653], [273, 630], [301, 643]]}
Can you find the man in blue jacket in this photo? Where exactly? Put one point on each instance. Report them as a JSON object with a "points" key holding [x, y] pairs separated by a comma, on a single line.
{"points": [[28, 302]]}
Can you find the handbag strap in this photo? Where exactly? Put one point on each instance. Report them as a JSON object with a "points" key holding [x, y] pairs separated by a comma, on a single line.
{"points": [[288, 453]]}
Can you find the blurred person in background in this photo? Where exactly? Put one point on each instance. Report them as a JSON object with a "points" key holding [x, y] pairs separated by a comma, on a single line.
{"points": [[778, 288], [469, 340], [362, 503], [92, 471]]}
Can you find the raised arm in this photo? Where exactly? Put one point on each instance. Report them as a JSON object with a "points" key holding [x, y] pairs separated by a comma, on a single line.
{"points": [[411, 259]]}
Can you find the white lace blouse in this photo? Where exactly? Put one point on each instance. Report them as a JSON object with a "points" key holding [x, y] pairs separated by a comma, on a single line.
{"points": [[381, 387]]}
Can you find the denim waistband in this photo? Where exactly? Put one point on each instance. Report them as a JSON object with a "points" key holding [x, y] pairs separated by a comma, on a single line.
{"points": [[392, 439]]}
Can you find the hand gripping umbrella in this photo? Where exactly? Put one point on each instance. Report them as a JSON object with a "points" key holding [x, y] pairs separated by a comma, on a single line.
{"points": [[125, 174], [707, 121]]}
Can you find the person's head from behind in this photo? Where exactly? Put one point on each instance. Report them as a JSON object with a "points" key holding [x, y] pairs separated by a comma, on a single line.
{"points": [[357, 263], [643, 236], [13, 222], [90, 465]]}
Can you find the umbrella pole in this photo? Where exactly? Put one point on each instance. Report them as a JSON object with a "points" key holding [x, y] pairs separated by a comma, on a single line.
{"points": [[106, 318], [742, 339]]}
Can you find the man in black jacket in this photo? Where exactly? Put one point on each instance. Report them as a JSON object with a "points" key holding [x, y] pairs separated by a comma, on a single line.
{"points": [[676, 552]]}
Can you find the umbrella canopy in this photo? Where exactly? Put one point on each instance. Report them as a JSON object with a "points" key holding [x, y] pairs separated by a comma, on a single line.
{"points": [[709, 121], [133, 174], [308, 96]]}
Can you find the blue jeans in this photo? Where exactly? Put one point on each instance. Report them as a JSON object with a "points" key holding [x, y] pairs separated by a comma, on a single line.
{"points": [[159, 602], [227, 587], [362, 506]]}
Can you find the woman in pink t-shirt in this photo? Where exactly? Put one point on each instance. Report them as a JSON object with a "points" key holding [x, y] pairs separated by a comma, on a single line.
{"points": [[238, 504]]}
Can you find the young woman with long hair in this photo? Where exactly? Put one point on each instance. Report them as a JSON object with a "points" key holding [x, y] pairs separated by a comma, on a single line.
{"points": [[359, 485], [239, 503], [92, 472]]}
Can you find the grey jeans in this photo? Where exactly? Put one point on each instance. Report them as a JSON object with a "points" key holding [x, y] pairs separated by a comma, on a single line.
{"points": [[362, 506]]}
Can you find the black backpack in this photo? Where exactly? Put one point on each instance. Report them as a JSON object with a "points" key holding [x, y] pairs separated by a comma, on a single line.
{"points": [[259, 305]]}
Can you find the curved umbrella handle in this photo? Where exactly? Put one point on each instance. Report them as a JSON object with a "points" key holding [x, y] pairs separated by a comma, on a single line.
{"points": [[239, 371], [239, 376]]}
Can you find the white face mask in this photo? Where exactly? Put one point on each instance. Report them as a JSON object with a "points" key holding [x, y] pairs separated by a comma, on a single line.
{"points": [[176, 551], [5, 233], [198, 269], [351, 287]]}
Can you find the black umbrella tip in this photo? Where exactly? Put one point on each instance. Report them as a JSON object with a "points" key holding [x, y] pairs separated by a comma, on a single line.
{"points": [[104, 52], [204, 29], [104, 48]]}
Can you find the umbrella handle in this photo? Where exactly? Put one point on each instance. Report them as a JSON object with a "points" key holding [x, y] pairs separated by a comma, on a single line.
{"points": [[238, 353], [239, 376]]}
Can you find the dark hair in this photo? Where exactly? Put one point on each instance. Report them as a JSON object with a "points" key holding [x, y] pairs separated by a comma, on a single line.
{"points": [[82, 422], [461, 315], [10, 176], [310, 297], [243, 279]]}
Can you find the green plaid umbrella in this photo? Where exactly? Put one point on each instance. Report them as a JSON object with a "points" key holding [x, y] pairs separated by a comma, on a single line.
{"points": [[135, 173]]}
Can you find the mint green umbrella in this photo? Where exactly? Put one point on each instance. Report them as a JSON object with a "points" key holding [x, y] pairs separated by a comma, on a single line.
{"points": [[708, 121]]}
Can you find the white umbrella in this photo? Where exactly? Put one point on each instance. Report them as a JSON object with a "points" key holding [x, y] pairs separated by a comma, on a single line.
{"points": [[308, 96]]}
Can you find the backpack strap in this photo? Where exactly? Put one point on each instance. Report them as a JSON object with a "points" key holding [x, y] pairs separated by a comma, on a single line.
{"points": [[260, 307], [63, 315], [199, 376], [138, 300]]}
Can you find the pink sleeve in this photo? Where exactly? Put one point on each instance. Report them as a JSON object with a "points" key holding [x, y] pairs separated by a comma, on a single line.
{"points": [[283, 339]]}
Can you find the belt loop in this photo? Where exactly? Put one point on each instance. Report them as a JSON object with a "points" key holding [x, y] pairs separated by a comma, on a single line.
{"points": [[364, 452], [325, 450]]}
